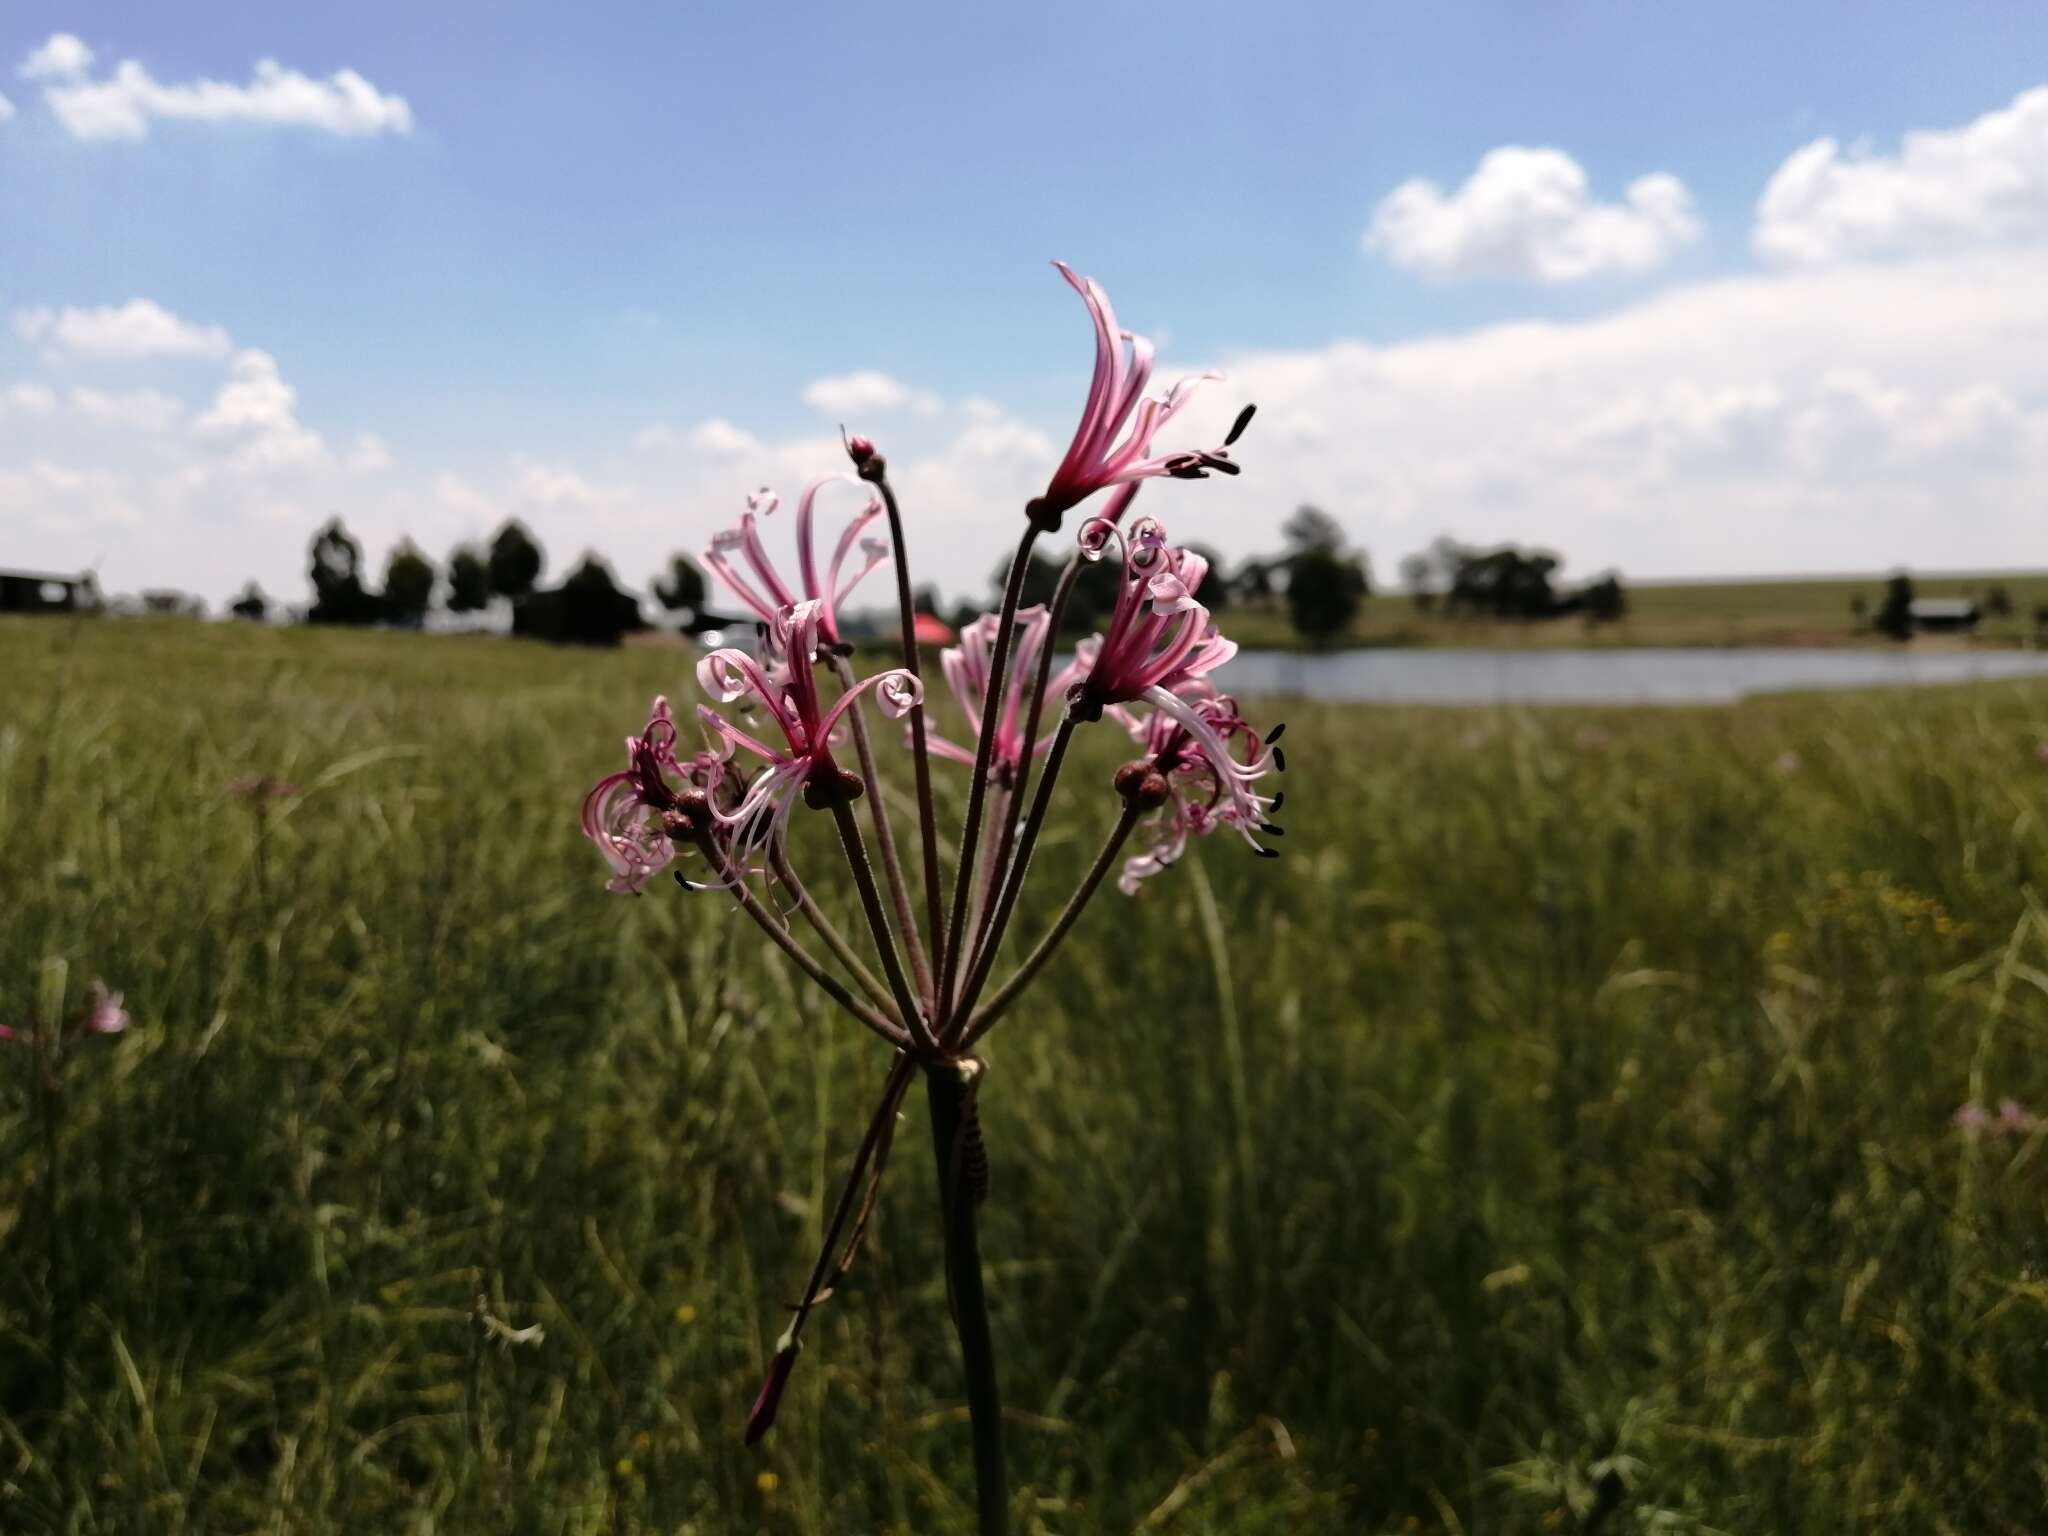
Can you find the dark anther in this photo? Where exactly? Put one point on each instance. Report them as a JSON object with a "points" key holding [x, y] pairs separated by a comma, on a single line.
{"points": [[1279, 760], [1279, 800], [1270, 830], [1276, 733], [1244, 419], [1267, 853], [1216, 461], [689, 885]]}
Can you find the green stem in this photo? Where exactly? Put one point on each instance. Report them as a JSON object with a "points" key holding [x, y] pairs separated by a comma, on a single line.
{"points": [[946, 1093], [878, 921], [927, 813], [885, 836], [826, 929]]}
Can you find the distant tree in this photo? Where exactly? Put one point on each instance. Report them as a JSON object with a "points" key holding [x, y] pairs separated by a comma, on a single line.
{"points": [[1254, 580], [515, 561], [1859, 609], [1323, 594], [172, 604], [251, 605], [1418, 575], [1504, 583], [1604, 602], [1091, 601], [2041, 616], [682, 586], [469, 579], [1312, 529], [925, 600], [1997, 603], [586, 609], [1216, 591], [408, 584], [339, 596], [1895, 615]]}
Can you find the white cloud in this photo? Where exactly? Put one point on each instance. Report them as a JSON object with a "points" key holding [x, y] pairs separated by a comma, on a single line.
{"points": [[123, 105], [37, 399], [63, 57], [140, 410], [6, 109], [257, 409], [721, 439], [656, 438], [848, 394], [1947, 189], [369, 456], [1529, 214], [138, 329]]}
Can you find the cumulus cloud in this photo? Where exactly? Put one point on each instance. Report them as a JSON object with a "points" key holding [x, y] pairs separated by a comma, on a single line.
{"points": [[1529, 214], [63, 57], [369, 456], [35, 399], [1984, 183], [138, 329], [849, 394], [258, 410], [125, 103], [6, 109], [140, 410]]}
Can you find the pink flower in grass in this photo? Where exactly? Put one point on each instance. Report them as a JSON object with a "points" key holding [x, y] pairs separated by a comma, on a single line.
{"points": [[1160, 637], [107, 1016], [806, 726], [966, 667], [626, 813], [1211, 759], [768, 594], [1113, 443]]}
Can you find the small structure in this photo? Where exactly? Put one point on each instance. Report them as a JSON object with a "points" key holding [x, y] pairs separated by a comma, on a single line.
{"points": [[1944, 615], [42, 592]]}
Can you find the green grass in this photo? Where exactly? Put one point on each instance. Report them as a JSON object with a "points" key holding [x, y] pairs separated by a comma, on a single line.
{"points": [[1798, 611], [1577, 1093]]}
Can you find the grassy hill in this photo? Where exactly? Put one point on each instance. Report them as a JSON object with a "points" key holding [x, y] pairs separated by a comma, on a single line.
{"points": [[1573, 1107]]}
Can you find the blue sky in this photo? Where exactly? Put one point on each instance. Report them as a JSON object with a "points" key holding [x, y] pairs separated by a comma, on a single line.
{"points": [[560, 243]]}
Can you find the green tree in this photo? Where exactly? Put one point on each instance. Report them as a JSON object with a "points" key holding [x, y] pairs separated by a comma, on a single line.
{"points": [[1216, 591], [1895, 613], [1323, 594], [515, 561], [469, 579], [682, 586], [408, 584], [339, 596], [251, 605]]}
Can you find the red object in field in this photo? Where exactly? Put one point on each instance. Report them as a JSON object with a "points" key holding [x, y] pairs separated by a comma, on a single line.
{"points": [[930, 629]]}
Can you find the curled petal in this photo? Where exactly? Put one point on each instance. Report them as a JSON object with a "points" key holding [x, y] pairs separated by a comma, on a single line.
{"points": [[898, 693], [729, 675]]}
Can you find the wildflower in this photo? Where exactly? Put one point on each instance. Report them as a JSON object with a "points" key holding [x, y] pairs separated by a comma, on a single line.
{"points": [[762, 1418], [1159, 636], [1209, 757], [107, 1016], [686, 1314], [767, 1482], [1971, 1119], [626, 813], [1103, 453], [966, 666], [2013, 1118], [773, 594], [805, 758]]}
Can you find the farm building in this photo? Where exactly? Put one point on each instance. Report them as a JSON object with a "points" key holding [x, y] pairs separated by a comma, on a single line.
{"points": [[1945, 615], [42, 592]]}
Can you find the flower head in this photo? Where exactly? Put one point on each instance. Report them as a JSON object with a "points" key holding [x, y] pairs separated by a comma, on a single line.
{"points": [[768, 594], [1211, 759], [1113, 444], [107, 1016], [791, 700], [626, 813], [1159, 636], [966, 666]]}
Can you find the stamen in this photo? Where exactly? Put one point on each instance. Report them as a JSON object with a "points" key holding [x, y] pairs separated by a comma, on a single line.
{"points": [[1244, 419], [1279, 800], [1279, 760], [1275, 734], [1270, 830], [1267, 853]]}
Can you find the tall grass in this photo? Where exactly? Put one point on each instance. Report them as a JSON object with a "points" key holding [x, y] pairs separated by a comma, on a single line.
{"points": [[1559, 1138]]}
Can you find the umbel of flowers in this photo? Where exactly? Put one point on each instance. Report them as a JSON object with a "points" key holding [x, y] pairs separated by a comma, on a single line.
{"points": [[788, 732]]}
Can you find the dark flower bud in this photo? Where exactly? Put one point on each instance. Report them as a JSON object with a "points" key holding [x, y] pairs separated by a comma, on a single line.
{"points": [[831, 785], [1142, 786], [762, 1419], [867, 463]]}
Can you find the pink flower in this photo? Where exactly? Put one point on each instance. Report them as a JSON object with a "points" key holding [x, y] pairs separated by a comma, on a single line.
{"points": [[1103, 453], [107, 1016], [1159, 636], [1971, 1119], [791, 700], [1211, 758], [967, 667], [625, 813], [773, 594], [2014, 1119]]}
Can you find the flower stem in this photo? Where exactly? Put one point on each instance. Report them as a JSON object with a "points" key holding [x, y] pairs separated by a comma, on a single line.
{"points": [[885, 839], [927, 814], [1005, 846], [1005, 995], [878, 920], [826, 929], [946, 1092], [984, 752], [804, 961], [1020, 865]]}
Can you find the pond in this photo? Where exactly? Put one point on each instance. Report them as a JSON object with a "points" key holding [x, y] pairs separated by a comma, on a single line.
{"points": [[1617, 676]]}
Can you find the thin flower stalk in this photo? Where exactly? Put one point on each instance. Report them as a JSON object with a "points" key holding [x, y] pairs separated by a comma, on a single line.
{"points": [[885, 836], [878, 920], [827, 930]]}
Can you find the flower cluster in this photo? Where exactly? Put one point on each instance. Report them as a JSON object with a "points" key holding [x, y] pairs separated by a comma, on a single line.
{"points": [[786, 722]]}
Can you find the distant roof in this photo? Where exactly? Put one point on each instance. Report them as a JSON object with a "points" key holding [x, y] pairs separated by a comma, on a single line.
{"points": [[1944, 607], [72, 580]]}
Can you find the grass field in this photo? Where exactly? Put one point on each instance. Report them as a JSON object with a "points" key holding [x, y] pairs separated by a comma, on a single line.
{"points": [[1796, 611], [1571, 1110]]}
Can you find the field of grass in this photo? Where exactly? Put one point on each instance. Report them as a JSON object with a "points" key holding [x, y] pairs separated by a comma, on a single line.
{"points": [[1797, 611], [1561, 1137]]}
